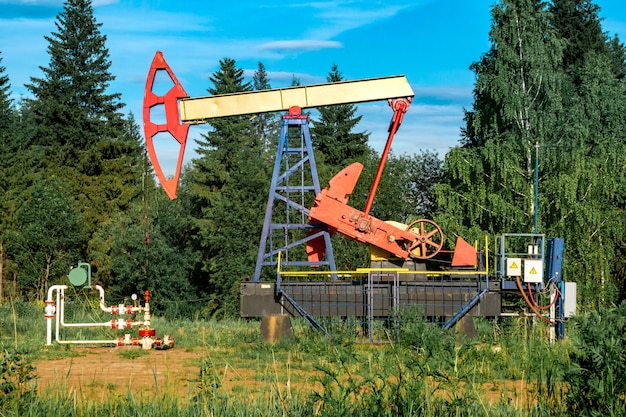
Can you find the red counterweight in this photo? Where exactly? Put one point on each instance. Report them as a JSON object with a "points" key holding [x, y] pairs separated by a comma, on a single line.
{"points": [[422, 239]]}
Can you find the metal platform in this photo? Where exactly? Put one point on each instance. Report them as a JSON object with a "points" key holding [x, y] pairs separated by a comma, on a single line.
{"points": [[371, 300]]}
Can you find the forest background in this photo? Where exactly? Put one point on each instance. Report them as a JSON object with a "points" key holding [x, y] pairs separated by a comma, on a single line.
{"points": [[76, 184]]}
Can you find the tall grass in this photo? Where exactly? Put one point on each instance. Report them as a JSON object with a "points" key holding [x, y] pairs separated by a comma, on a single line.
{"points": [[509, 369]]}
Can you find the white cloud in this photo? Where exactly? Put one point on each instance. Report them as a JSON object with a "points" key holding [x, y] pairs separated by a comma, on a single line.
{"points": [[34, 2], [336, 17], [298, 45], [59, 3]]}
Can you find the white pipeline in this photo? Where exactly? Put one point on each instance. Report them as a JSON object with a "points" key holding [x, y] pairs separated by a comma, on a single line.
{"points": [[51, 311], [119, 309], [57, 311]]}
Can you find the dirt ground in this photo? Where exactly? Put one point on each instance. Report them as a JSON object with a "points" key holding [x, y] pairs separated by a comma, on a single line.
{"points": [[97, 373], [104, 370]]}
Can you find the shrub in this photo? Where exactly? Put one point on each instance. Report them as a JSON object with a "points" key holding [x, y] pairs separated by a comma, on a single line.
{"points": [[596, 376], [16, 374]]}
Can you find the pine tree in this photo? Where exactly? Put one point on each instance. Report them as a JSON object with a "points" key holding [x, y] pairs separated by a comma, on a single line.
{"points": [[8, 127], [6, 103], [577, 21], [332, 134], [7, 118], [228, 186], [72, 107], [267, 125], [80, 134], [618, 57], [75, 143]]}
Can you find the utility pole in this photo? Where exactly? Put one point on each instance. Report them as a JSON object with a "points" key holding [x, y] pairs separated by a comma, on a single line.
{"points": [[536, 187]]}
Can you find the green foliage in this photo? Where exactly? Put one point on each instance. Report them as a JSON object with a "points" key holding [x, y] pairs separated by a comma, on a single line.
{"points": [[431, 341], [156, 256], [617, 52], [333, 135], [577, 21], [597, 385], [407, 188], [6, 104], [510, 369], [267, 125], [50, 236], [72, 108], [16, 376], [548, 94], [488, 183], [227, 199], [76, 149]]}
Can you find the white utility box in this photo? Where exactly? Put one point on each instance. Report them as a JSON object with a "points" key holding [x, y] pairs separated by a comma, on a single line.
{"points": [[513, 267], [569, 299], [533, 271]]}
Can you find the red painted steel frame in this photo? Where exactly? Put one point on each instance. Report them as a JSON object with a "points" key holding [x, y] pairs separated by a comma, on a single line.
{"points": [[331, 208], [172, 121], [399, 107]]}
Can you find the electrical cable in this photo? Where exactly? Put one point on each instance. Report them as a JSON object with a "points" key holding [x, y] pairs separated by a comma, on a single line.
{"points": [[530, 292], [521, 289]]}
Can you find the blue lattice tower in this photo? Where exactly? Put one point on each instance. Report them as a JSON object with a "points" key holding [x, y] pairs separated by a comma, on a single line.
{"points": [[295, 184]]}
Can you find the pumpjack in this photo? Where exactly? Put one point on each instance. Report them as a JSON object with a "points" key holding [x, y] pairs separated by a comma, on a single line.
{"points": [[451, 294], [330, 213]]}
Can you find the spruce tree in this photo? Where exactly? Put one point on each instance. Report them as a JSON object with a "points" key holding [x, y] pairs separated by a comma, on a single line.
{"points": [[72, 107], [577, 22], [617, 52], [80, 134], [332, 134], [7, 116], [267, 125], [8, 128], [76, 148], [6, 103], [228, 186]]}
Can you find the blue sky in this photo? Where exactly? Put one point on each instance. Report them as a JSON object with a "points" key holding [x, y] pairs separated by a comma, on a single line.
{"points": [[432, 42]]}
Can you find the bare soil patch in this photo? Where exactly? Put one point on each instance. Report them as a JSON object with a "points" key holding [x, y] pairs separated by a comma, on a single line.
{"points": [[100, 371]]}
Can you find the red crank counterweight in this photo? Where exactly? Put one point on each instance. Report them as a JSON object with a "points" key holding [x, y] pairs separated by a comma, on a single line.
{"points": [[422, 239], [172, 123]]}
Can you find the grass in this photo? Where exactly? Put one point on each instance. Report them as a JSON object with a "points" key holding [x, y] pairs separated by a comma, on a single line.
{"points": [[133, 353], [509, 369]]}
